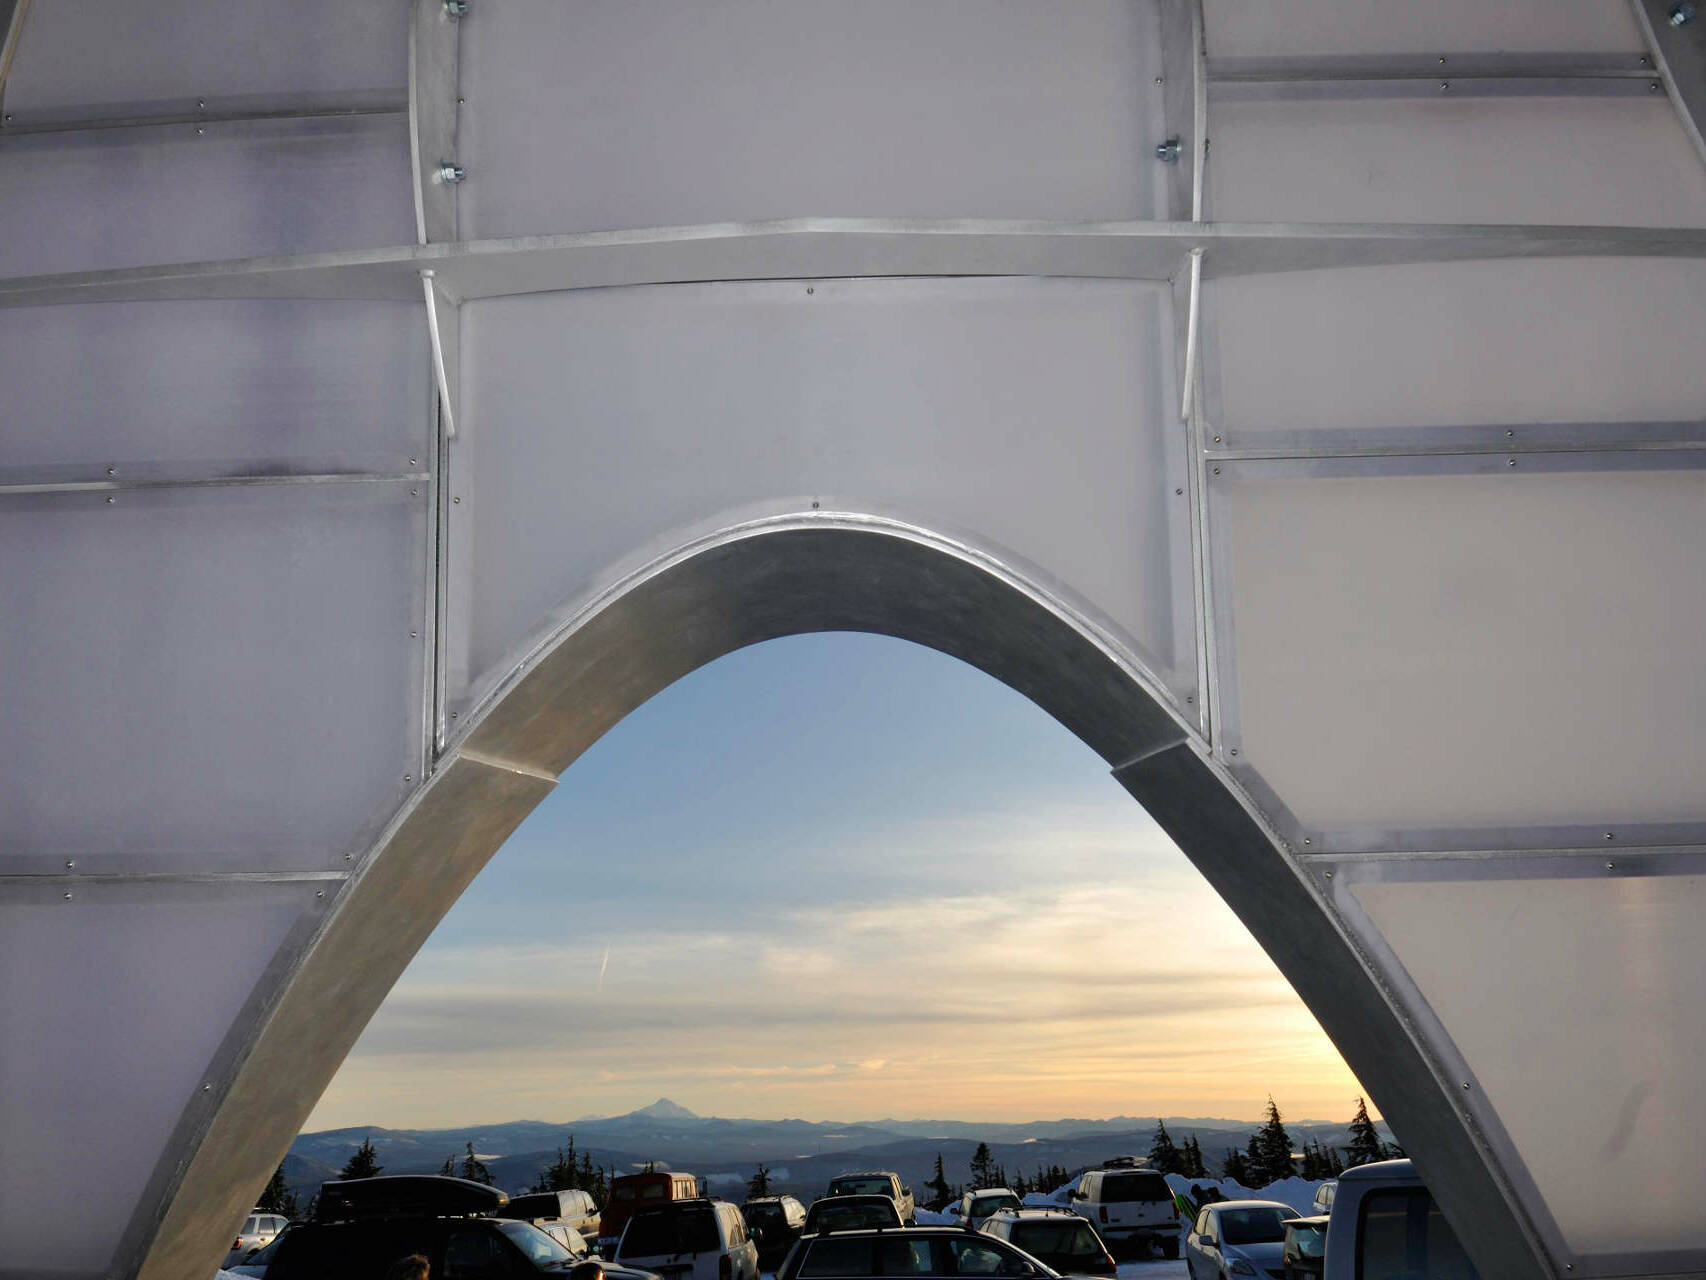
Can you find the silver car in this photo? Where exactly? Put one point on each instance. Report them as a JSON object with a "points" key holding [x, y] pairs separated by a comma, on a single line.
{"points": [[1239, 1238], [258, 1229]]}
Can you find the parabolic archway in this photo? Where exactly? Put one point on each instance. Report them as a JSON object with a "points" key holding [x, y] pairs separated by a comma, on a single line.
{"points": [[394, 396]]}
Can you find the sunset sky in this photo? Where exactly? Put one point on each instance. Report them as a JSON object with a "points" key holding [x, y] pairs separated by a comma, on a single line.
{"points": [[838, 877]]}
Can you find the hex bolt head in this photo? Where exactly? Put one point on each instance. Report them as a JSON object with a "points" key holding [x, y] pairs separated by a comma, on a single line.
{"points": [[1683, 13], [449, 173], [1167, 152], [456, 8]]}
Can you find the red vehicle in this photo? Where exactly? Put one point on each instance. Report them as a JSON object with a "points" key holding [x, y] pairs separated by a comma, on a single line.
{"points": [[635, 1191]]}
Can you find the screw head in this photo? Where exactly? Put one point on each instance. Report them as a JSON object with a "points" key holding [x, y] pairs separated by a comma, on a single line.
{"points": [[1684, 13], [1167, 152], [1160, 79], [1611, 866], [1511, 463], [1190, 697], [1233, 752], [111, 499], [408, 777], [1307, 840], [71, 864], [449, 173], [457, 500], [1465, 1084], [1654, 87], [1217, 439], [68, 895], [319, 893], [199, 130], [414, 635], [1178, 493], [1217, 471], [112, 471]]}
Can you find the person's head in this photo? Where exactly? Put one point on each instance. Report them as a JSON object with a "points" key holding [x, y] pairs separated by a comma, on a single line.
{"points": [[413, 1267]]}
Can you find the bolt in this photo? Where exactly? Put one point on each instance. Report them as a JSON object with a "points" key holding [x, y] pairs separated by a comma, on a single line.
{"points": [[1465, 1084], [408, 777], [411, 462], [1611, 866], [814, 506], [199, 130], [1160, 79], [1217, 439], [1190, 697], [456, 499], [414, 635], [1509, 434], [71, 864], [111, 499], [1442, 59], [1608, 835], [456, 8], [349, 857], [1234, 751], [414, 493], [1306, 840], [453, 715], [1217, 471], [810, 291], [319, 893], [112, 471], [449, 173], [8, 117], [1683, 13], [1646, 59], [201, 104], [68, 895], [1654, 87], [1178, 493], [1167, 152], [1329, 875], [1511, 463], [1445, 86], [207, 1088]]}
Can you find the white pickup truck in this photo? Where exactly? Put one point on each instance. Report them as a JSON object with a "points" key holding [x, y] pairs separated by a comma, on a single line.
{"points": [[1131, 1207], [880, 1182]]}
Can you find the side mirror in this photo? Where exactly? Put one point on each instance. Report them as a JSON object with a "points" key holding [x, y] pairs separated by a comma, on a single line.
{"points": [[1206, 1242], [906, 1191]]}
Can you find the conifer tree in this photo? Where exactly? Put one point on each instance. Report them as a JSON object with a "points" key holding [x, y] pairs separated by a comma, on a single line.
{"points": [[1365, 1147], [1191, 1157], [1272, 1149], [277, 1198], [363, 1164], [940, 1191], [1164, 1154], [982, 1168], [448, 1169], [1236, 1167], [473, 1168], [758, 1184]]}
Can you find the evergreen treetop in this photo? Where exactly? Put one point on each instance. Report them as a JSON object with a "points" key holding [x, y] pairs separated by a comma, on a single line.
{"points": [[363, 1164], [1365, 1146]]}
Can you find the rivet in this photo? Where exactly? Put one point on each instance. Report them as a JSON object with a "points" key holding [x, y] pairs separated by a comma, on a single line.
{"points": [[1509, 434], [456, 8], [411, 462], [1611, 866], [111, 499], [1167, 152], [1682, 14], [1160, 79], [453, 715], [8, 117], [207, 1088], [1511, 463], [349, 857], [414, 635], [1654, 86], [461, 102], [1442, 59], [449, 172], [814, 506], [1646, 59], [199, 130], [1307, 840], [319, 893], [71, 864], [1217, 471], [1178, 493], [456, 500], [68, 895], [1217, 439], [1234, 751], [1445, 86], [1190, 697], [1609, 836], [201, 104], [112, 471], [810, 291], [408, 777], [1329, 875], [1465, 1084]]}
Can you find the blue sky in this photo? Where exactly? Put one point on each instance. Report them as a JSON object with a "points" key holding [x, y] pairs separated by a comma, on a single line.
{"points": [[837, 876]]}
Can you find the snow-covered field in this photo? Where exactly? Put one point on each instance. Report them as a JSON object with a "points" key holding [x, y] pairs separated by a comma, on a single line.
{"points": [[1154, 1270]]}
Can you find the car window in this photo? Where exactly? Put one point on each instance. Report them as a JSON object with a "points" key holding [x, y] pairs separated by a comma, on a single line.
{"points": [[1252, 1226], [861, 1187], [248, 1228], [981, 1256], [904, 1257], [1402, 1233], [534, 1244], [1071, 1239], [1124, 1188], [474, 1253], [837, 1257], [691, 1230]]}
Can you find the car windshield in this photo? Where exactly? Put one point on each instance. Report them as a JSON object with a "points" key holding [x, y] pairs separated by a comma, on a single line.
{"points": [[1252, 1226], [684, 1231], [538, 1246], [861, 1187], [1058, 1239], [1122, 1188], [1308, 1241], [850, 1217], [983, 1206], [762, 1215]]}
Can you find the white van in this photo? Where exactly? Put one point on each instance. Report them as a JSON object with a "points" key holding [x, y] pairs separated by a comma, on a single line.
{"points": [[1129, 1207], [1385, 1223], [697, 1239]]}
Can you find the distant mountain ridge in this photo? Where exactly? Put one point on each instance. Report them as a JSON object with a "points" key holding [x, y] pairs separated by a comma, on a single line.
{"points": [[803, 1155]]}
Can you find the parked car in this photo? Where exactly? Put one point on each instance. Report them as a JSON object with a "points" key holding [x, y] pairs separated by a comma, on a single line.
{"points": [[775, 1222], [851, 1213], [698, 1239], [912, 1252], [258, 1230], [1131, 1208], [574, 1209], [635, 1191], [1385, 1223], [974, 1206], [1238, 1238], [881, 1182], [362, 1226], [1305, 1249], [1324, 1195], [1058, 1237]]}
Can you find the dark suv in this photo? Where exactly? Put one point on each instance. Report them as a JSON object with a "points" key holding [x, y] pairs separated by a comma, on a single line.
{"points": [[918, 1252], [361, 1228], [1056, 1236], [775, 1222]]}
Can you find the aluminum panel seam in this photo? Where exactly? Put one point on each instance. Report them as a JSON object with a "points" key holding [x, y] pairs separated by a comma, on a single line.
{"points": [[169, 877], [1255, 79], [117, 484], [824, 248], [1257, 445], [228, 115]]}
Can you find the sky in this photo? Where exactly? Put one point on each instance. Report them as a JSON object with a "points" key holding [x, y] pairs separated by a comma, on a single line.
{"points": [[838, 877]]}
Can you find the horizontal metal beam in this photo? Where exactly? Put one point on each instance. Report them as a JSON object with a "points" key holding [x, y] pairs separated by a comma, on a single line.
{"points": [[116, 483], [199, 111], [71, 878], [824, 248], [1433, 75], [1466, 441]]}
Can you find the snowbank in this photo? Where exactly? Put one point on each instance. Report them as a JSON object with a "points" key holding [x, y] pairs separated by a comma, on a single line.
{"points": [[1299, 1193], [930, 1218]]}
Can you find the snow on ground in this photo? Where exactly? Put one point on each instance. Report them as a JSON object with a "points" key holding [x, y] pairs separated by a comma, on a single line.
{"points": [[1158, 1270], [930, 1218]]}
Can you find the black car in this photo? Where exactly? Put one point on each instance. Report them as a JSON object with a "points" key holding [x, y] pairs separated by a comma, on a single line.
{"points": [[916, 1252], [775, 1222], [850, 1213], [1058, 1237], [361, 1227]]}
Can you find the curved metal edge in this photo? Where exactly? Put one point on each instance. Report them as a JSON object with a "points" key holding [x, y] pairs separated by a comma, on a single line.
{"points": [[1222, 834], [1680, 53]]}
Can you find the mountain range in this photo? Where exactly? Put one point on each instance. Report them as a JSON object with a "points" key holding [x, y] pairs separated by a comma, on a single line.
{"points": [[802, 1155]]}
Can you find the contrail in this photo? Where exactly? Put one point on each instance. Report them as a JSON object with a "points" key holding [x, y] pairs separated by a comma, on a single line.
{"points": [[603, 965]]}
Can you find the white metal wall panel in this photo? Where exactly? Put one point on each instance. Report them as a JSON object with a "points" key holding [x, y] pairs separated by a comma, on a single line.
{"points": [[1469, 343], [1575, 1001], [114, 1000], [207, 679], [1508, 650], [1623, 161], [212, 387], [1253, 28], [610, 114], [81, 58], [929, 398], [188, 193]]}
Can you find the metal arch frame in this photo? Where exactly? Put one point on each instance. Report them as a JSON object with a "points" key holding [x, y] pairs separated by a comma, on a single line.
{"points": [[747, 583]]}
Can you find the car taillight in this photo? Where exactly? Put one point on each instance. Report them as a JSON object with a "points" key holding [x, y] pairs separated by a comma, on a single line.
{"points": [[725, 1268], [237, 1243], [1102, 1214]]}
